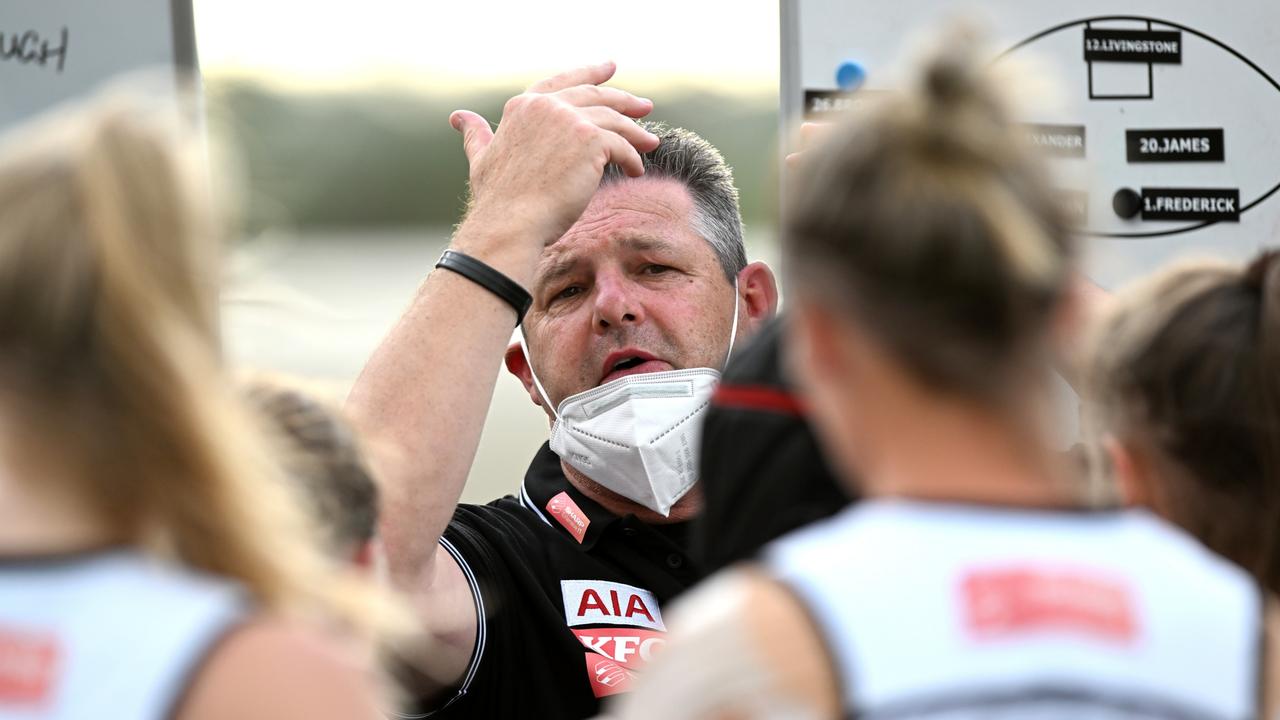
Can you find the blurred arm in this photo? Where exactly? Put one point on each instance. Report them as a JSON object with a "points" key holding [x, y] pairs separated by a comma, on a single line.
{"points": [[271, 670], [740, 647]]}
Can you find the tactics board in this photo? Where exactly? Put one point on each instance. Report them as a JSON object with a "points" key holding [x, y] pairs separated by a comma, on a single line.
{"points": [[54, 50], [1169, 143]]}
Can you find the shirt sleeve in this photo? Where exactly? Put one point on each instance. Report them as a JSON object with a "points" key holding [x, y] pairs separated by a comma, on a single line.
{"points": [[503, 560], [467, 540]]}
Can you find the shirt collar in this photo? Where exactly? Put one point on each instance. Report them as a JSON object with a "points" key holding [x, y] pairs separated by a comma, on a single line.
{"points": [[548, 493]]}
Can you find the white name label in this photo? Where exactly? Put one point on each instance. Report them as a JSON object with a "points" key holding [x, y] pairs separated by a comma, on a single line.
{"points": [[588, 602]]}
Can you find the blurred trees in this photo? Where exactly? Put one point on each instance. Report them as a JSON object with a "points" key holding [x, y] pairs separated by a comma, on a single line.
{"points": [[390, 158]]}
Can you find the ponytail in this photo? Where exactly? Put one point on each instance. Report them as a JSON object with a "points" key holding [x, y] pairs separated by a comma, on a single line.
{"points": [[108, 291]]}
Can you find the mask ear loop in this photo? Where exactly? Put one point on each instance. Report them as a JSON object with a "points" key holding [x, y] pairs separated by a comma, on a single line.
{"points": [[524, 347], [733, 329]]}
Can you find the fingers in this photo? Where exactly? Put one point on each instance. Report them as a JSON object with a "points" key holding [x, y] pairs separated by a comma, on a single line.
{"points": [[808, 132], [476, 133], [811, 133], [619, 124], [620, 100], [623, 154], [589, 75]]}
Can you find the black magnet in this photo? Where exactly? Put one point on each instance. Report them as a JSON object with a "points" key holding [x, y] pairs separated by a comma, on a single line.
{"points": [[1127, 203]]}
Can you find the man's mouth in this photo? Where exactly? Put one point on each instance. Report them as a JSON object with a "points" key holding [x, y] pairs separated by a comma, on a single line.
{"points": [[631, 361]]}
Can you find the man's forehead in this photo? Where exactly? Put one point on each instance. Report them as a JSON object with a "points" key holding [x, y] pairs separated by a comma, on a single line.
{"points": [[633, 214], [654, 203], [663, 196]]}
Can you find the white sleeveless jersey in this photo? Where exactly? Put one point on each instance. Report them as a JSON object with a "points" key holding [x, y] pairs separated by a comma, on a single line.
{"points": [[105, 635], [955, 611]]}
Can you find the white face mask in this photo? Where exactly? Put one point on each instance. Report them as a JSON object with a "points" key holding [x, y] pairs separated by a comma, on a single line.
{"points": [[639, 435]]}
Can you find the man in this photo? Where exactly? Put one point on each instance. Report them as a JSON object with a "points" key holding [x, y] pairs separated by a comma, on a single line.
{"points": [[539, 606]]}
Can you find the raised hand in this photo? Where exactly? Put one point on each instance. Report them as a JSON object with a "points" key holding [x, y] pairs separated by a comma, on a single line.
{"points": [[536, 174]]}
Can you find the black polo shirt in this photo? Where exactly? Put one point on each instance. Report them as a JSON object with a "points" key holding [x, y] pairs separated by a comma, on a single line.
{"points": [[569, 598]]}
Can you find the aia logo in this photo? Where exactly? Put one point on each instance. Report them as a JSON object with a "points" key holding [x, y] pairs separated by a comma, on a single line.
{"points": [[28, 665], [588, 602]]}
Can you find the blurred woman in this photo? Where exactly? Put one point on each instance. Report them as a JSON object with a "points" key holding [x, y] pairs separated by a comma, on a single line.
{"points": [[930, 269], [326, 465], [151, 562], [1185, 379]]}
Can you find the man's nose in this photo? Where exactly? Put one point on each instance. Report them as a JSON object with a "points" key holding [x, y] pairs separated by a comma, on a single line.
{"points": [[616, 304]]}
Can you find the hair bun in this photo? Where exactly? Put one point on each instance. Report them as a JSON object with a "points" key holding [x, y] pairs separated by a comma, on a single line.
{"points": [[952, 72], [955, 68]]}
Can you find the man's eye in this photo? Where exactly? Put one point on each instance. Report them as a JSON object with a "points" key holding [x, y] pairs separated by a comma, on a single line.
{"points": [[656, 269], [567, 293]]}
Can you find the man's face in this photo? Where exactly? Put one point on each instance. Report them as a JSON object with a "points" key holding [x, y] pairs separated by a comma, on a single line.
{"points": [[629, 289]]}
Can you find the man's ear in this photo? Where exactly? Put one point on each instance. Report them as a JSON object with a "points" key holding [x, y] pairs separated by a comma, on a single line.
{"points": [[1133, 477], [758, 289], [518, 365]]}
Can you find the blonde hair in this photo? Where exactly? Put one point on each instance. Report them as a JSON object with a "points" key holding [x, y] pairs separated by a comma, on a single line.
{"points": [[108, 355], [929, 219]]}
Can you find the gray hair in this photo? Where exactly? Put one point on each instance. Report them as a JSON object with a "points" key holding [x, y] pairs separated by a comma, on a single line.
{"points": [[684, 156]]}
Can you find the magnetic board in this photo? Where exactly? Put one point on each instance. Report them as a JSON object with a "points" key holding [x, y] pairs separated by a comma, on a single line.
{"points": [[53, 50], [1169, 144]]}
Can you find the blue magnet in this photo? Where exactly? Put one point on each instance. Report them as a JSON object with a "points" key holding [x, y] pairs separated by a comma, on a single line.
{"points": [[850, 75]]}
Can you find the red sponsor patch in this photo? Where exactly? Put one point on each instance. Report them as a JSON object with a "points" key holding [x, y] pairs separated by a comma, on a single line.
{"points": [[630, 648], [606, 676], [567, 513], [1010, 601], [28, 664]]}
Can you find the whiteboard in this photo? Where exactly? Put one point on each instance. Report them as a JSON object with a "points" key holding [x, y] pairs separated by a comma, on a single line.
{"points": [[53, 50], [1168, 143]]}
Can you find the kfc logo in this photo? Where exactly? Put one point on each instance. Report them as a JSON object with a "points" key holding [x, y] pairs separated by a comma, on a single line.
{"points": [[28, 664], [588, 602], [629, 648]]}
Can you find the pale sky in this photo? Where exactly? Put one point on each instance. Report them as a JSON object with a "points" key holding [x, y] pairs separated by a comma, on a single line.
{"points": [[731, 45]]}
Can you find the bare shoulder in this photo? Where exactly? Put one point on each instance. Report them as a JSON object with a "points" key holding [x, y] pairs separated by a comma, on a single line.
{"points": [[791, 643], [270, 668], [740, 646]]}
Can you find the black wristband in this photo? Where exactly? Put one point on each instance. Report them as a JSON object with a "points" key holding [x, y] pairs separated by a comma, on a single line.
{"points": [[486, 277]]}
